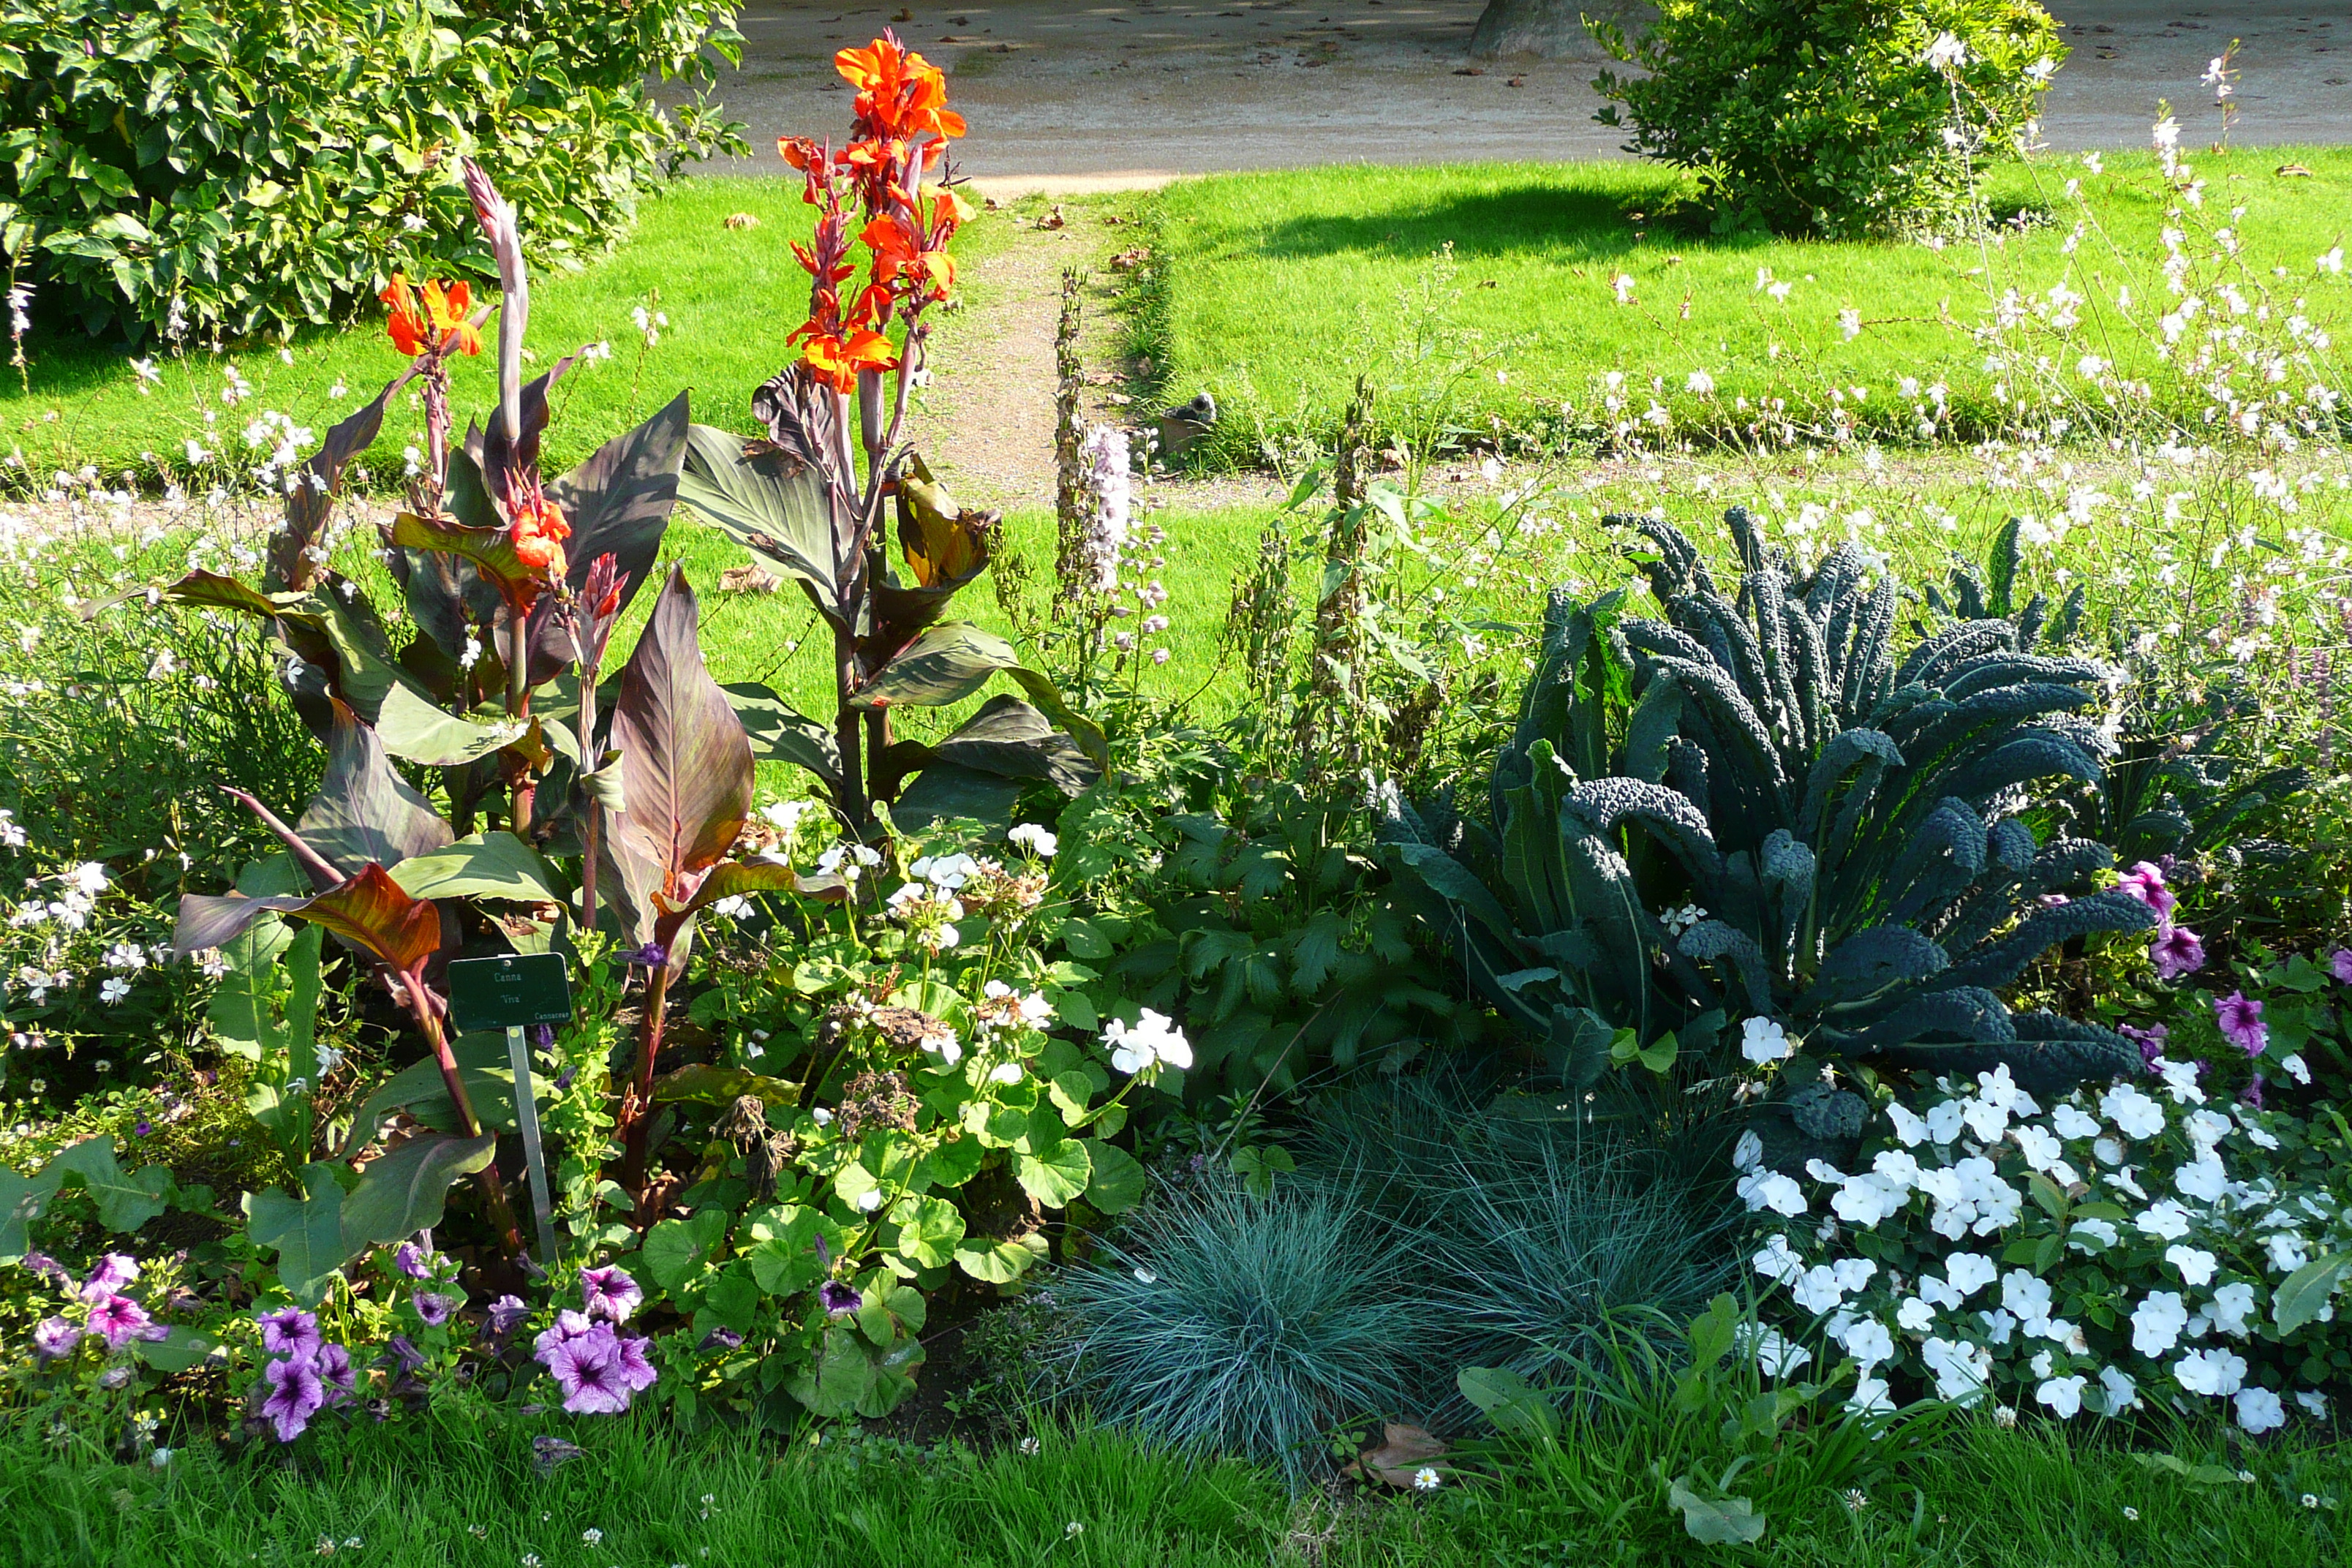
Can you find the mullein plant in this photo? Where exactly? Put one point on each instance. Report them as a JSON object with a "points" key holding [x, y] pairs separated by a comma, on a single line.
{"points": [[810, 497]]}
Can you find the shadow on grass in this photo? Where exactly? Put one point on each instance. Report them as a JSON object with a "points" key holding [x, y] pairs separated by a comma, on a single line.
{"points": [[1569, 223]]}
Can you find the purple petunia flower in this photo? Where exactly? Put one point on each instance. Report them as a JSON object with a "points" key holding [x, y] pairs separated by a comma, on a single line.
{"points": [[2177, 951], [2253, 1093], [334, 1364], [47, 1267], [54, 1337], [114, 1271], [434, 1308], [409, 1258], [405, 1354], [289, 1331], [636, 1369], [569, 1326], [609, 1293], [2339, 965], [653, 955], [143, 1128], [2241, 1018], [542, 1036], [118, 1319], [2145, 882], [720, 1339], [838, 1300], [293, 1392], [2151, 1040], [507, 1314], [589, 1371]]}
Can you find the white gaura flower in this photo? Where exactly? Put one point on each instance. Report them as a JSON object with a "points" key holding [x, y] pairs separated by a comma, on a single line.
{"points": [[2135, 1115], [1763, 1040], [87, 879], [2157, 1323], [2230, 1307], [2064, 1395], [2260, 1410], [2214, 1373]]}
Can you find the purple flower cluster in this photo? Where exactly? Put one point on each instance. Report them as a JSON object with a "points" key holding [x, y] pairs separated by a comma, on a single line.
{"points": [[2240, 1018], [108, 1314], [2176, 950], [2339, 964], [305, 1373], [598, 1368]]}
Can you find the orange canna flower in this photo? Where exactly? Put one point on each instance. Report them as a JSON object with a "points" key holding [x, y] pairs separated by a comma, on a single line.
{"points": [[539, 534], [430, 317], [899, 93], [835, 360]]}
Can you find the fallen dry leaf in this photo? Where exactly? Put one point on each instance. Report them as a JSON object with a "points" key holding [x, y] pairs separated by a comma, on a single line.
{"points": [[1052, 219], [742, 220], [2292, 172], [1469, 70], [749, 579], [1407, 1450]]}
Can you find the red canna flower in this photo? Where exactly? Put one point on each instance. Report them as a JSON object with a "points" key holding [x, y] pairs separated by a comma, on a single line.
{"points": [[539, 532], [430, 317]]}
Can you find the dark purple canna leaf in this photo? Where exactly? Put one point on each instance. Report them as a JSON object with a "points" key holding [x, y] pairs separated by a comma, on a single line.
{"points": [[685, 764], [618, 502], [312, 496], [364, 811], [371, 911]]}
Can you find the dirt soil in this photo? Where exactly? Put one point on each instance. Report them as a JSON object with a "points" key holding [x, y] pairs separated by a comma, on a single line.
{"points": [[1141, 88]]}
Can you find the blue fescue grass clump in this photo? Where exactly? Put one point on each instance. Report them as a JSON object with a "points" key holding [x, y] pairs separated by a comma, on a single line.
{"points": [[1251, 1325]]}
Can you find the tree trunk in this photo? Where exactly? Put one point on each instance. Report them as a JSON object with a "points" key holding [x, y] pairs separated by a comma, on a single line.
{"points": [[1550, 28]]}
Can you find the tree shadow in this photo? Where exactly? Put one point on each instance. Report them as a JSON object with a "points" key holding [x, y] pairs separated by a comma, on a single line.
{"points": [[1569, 224]]}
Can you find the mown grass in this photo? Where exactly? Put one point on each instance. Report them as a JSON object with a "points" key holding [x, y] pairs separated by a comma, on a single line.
{"points": [[1274, 290], [460, 1491], [730, 294]]}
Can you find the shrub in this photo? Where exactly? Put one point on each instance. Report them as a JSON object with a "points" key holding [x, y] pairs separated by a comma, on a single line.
{"points": [[2133, 1247], [1832, 116], [230, 166], [1751, 826]]}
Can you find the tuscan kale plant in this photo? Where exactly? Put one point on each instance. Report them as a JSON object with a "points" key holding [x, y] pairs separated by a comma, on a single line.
{"points": [[1756, 821]]}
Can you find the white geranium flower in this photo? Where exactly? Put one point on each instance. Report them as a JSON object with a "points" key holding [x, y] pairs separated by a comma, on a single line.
{"points": [[2215, 1374], [1153, 1041], [1763, 1041], [2157, 1323], [2196, 1264], [1854, 1273], [1034, 837], [2314, 1403], [1986, 1120]]}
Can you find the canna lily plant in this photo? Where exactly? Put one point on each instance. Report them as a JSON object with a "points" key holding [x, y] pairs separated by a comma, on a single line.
{"points": [[814, 495]]}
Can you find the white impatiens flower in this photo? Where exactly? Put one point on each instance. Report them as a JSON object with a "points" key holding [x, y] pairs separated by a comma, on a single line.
{"points": [[2196, 1264], [1779, 1262], [2299, 1070], [2027, 1297], [1970, 1272], [2203, 1178], [1034, 837], [2041, 1150], [1871, 1397], [1908, 1128], [2157, 1323], [1776, 1355], [2122, 1393], [1866, 1200], [1944, 1121], [2064, 1395], [1961, 1371], [2165, 1219], [1152, 1042], [2230, 1307], [2102, 1231], [2135, 1114], [2215, 1373], [2260, 1410], [1916, 1315], [2071, 1122], [1869, 1343], [1763, 1040], [1817, 1290], [1761, 1189]]}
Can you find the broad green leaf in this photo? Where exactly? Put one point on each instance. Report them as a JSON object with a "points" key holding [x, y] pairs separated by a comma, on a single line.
{"points": [[945, 791], [928, 1231], [1727, 1521], [493, 865], [786, 1262], [2306, 1292], [404, 1191], [997, 1262], [675, 1249], [706, 1083], [411, 726], [779, 733], [769, 501], [484, 1067], [178, 1350], [124, 1203], [1507, 1399], [1054, 1174], [23, 1200], [1115, 1178], [307, 1232], [839, 1380]]}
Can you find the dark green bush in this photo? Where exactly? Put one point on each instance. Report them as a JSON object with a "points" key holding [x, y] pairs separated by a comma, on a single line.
{"points": [[244, 166], [1830, 115]]}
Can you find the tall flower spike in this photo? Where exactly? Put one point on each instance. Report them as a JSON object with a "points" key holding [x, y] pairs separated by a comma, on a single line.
{"points": [[498, 220]]}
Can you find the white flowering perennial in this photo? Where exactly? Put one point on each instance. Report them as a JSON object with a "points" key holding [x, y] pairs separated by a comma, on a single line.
{"points": [[2113, 1249], [1152, 1042]]}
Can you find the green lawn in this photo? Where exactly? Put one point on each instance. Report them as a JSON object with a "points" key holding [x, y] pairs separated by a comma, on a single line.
{"points": [[730, 294], [1275, 290], [460, 1490]]}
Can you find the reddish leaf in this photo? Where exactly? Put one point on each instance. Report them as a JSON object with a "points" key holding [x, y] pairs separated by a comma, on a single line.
{"points": [[685, 764], [364, 810], [371, 911]]}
